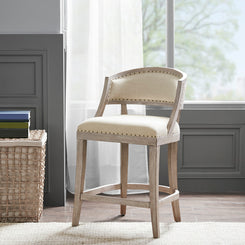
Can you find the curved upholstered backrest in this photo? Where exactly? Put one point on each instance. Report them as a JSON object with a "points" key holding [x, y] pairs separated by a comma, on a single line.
{"points": [[149, 86], [144, 86]]}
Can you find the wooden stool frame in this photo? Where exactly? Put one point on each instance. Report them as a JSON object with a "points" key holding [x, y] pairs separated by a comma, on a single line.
{"points": [[154, 153]]}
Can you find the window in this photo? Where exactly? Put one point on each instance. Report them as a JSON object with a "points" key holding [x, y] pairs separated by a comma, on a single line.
{"points": [[209, 46], [154, 29]]}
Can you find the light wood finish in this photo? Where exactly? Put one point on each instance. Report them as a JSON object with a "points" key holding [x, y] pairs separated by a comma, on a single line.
{"points": [[124, 174], [153, 143], [131, 186], [104, 98], [116, 200], [80, 178], [178, 104], [124, 166], [124, 110], [169, 198], [172, 175], [103, 188], [176, 108], [90, 196], [139, 186], [154, 152]]}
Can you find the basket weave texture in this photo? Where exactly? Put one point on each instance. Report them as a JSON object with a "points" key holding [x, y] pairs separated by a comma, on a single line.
{"points": [[22, 169]]}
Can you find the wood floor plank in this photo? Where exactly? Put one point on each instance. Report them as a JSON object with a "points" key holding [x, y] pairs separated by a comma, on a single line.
{"points": [[194, 208]]}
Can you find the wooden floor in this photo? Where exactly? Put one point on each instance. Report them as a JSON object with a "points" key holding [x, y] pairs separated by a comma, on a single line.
{"points": [[194, 208]]}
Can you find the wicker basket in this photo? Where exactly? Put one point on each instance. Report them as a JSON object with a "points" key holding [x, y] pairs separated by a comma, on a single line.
{"points": [[22, 168]]}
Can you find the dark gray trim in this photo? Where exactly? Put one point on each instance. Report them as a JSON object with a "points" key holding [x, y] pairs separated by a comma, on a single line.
{"points": [[192, 105], [46, 100], [214, 186]]}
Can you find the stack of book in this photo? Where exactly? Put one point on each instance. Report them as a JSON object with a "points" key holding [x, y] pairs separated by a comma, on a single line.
{"points": [[14, 124]]}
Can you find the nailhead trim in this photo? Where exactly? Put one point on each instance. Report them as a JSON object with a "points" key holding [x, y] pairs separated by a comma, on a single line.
{"points": [[124, 134], [149, 71], [134, 135], [145, 100]]}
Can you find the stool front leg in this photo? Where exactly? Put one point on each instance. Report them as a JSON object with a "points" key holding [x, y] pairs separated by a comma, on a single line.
{"points": [[154, 154], [173, 178], [80, 179], [124, 174]]}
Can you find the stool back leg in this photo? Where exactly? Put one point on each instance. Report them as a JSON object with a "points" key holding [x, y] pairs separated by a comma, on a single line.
{"points": [[154, 154], [80, 178], [124, 174], [173, 178]]}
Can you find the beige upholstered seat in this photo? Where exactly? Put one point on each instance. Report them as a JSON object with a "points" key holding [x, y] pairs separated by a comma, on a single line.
{"points": [[148, 86], [129, 125]]}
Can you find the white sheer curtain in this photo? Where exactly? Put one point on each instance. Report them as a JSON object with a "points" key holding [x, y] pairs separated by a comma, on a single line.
{"points": [[103, 37]]}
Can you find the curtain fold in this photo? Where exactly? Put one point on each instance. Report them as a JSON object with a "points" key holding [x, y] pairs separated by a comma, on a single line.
{"points": [[103, 37]]}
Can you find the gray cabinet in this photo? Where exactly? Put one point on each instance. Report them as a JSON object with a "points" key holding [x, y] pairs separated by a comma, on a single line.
{"points": [[31, 78]]}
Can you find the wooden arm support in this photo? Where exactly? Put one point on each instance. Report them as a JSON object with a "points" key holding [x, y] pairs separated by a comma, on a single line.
{"points": [[178, 104]]}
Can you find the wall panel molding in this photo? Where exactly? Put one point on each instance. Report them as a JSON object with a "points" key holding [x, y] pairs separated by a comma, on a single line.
{"points": [[211, 149], [17, 83]]}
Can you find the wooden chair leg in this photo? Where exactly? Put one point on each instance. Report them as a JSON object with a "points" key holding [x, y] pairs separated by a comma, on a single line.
{"points": [[124, 174], [80, 178], [154, 153], [172, 175]]}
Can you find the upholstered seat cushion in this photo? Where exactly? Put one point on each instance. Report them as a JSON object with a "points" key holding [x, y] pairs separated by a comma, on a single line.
{"points": [[129, 125]]}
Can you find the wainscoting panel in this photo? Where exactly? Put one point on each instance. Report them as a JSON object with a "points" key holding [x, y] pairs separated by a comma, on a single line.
{"points": [[21, 74], [209, 151], [211, 156], [31, 78]]}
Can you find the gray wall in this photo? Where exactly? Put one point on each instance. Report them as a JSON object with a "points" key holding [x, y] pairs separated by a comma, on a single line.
{"points": [[30, 16], [32, 77]]}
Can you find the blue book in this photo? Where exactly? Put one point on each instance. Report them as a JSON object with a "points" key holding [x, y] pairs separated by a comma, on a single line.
{"points": [[12, 116]]}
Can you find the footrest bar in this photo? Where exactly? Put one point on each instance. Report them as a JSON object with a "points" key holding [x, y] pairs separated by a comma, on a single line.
{"points": [[103, 188], [169, 198], [140, 186], [134, 186], [115, 200]]}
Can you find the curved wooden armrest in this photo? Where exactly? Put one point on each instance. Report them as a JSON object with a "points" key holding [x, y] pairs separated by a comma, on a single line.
{"points": [[103, 99], [178, 104]]}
